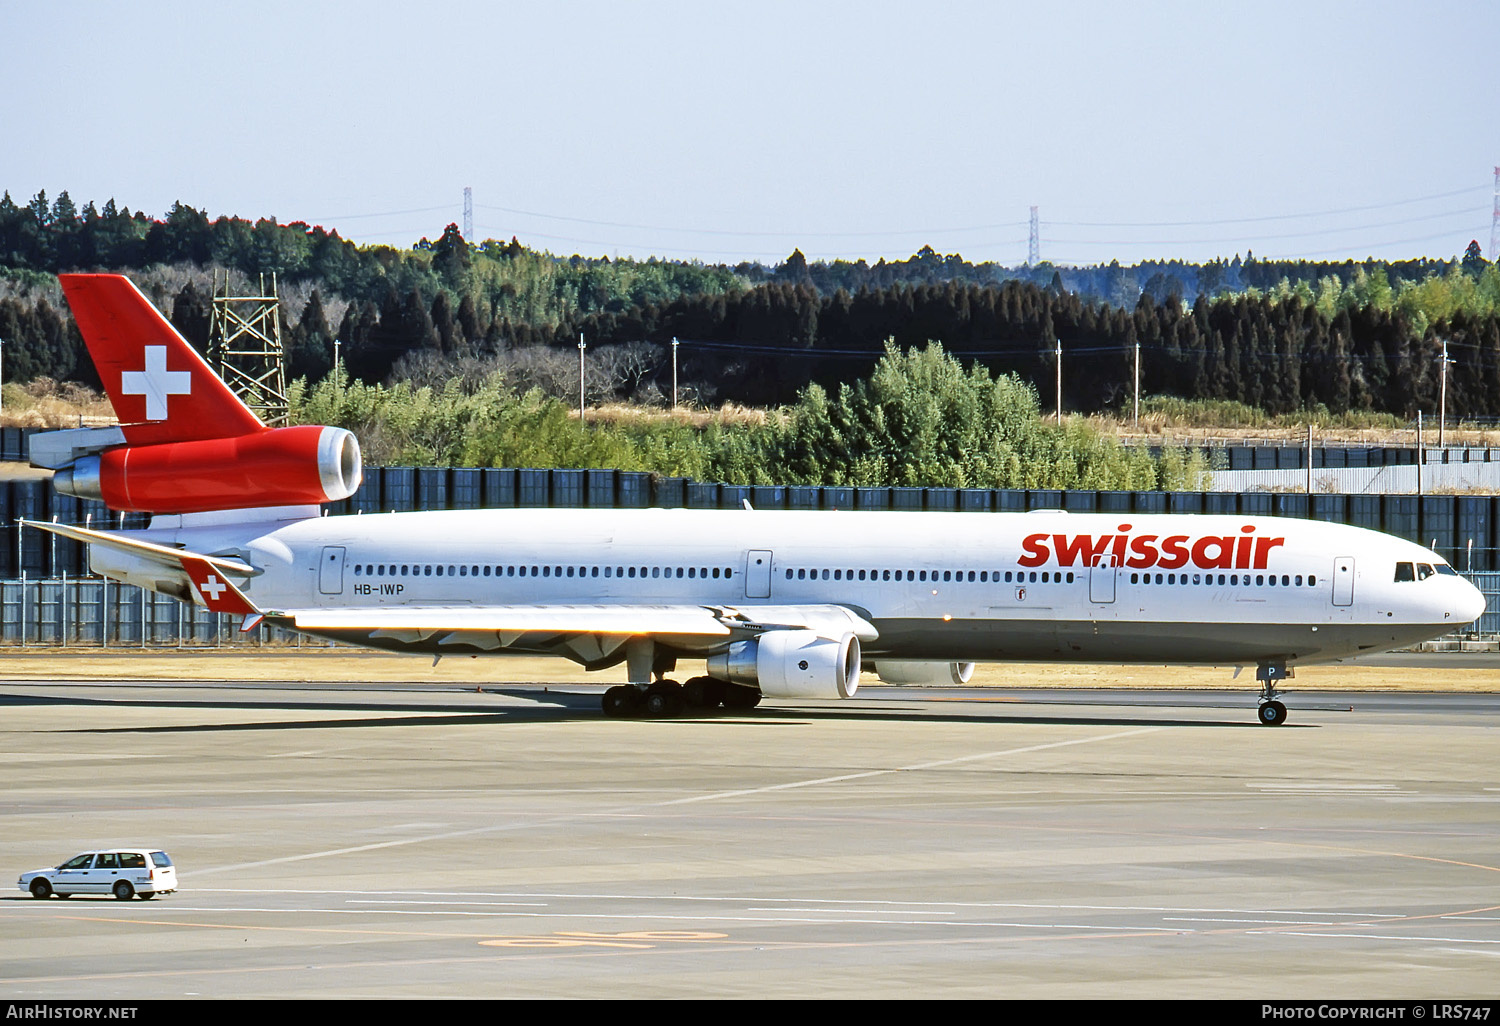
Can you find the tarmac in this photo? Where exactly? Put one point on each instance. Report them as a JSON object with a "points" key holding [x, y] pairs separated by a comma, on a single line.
{"points": [[389, 839]]}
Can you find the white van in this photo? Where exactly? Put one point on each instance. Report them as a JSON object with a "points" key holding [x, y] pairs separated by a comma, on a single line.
{"points": [[123, 872]]}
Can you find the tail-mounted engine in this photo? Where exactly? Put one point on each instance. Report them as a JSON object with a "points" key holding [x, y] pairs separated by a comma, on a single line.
{"points": [[290, 466]]}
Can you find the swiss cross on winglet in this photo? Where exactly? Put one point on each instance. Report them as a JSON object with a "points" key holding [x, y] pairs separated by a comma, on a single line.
{"points": [[217, 594]]}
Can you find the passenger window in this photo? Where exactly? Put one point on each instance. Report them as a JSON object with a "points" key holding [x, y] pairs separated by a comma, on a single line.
{"points": [[107, 860], [81, 862], [132, 860]]}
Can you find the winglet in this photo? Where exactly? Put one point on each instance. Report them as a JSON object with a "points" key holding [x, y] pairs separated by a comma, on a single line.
{"points": [[216, 593]]}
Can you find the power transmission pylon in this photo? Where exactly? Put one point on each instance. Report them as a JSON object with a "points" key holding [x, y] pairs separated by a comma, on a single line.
{"points": [[468, 214], [1034, 248], [1495, 222], [244, 345]]}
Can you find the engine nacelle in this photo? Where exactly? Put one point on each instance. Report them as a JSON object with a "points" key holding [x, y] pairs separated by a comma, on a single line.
{"points": [[792, 664], [910, 671], [290, 466]]}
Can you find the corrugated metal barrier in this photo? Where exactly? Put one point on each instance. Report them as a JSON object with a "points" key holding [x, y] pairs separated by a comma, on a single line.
{"points": [[1464, 529]]}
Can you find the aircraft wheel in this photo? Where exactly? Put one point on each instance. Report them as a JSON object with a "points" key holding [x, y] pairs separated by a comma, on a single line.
{"points": [[620, 701], [662, 700], [701, 693], [1272, 714]]}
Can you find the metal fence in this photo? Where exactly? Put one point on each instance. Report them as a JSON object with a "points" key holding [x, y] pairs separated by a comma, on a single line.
{"points": [[95, 612]]}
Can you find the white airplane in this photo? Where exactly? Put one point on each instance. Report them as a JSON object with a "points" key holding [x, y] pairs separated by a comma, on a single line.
{"points": [[780, 604]]}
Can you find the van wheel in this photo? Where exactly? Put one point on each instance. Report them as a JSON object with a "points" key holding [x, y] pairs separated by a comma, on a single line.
{"points": [[148, 895], [41, 889], [123, 890]]}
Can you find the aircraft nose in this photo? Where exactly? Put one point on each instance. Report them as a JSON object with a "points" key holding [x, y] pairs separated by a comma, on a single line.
{"points": [[1471, 604]]}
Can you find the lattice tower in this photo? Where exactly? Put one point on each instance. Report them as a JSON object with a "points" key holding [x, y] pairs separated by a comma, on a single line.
{"points": [[244, 346]]}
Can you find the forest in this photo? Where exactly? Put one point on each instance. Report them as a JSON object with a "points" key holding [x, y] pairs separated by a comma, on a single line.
{"points": [[1275, 335]]}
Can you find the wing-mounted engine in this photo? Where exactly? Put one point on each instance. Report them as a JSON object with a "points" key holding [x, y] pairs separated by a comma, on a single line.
{"points": [[910, 671], [792, 664], [290, 466]]}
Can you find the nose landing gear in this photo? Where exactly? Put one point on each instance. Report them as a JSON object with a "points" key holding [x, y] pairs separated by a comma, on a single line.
{"points": [[1272, 712]]}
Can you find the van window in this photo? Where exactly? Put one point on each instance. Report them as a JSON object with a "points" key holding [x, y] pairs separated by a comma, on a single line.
{"points": [[159, 858], [132, 860]]}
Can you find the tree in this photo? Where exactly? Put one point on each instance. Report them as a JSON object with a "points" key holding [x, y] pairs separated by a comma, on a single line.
{"points": [[1474, 262]]}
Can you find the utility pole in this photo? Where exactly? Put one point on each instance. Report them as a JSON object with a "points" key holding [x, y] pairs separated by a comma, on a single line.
{"points": [[674, 372], [581, 348], [1059, 382], [1421, 456], [1136, 422], [1309, 457], [1443, 399]]}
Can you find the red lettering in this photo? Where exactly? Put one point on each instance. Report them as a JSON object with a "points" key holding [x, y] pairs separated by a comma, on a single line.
{"points": [[1263, 547], [1144, 548], [1036, 549], [1213, 552], [1222, 561], [1175, 548], [1069, 549]]}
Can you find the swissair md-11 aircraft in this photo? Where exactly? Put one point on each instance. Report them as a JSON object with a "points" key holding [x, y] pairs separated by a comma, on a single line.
{"points": [[780, 604]]}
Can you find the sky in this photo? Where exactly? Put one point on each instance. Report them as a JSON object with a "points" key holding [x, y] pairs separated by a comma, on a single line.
{"points": [[721, 132]]}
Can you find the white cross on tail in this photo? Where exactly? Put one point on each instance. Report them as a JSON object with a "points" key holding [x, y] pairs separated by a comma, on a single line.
{"points": [[156, 383]]}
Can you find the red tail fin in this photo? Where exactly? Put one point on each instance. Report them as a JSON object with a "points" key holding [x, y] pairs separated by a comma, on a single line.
{"points": [[162, 390]]}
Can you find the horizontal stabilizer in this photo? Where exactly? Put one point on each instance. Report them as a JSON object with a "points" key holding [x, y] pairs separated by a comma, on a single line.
{"points": [[163, 555]]}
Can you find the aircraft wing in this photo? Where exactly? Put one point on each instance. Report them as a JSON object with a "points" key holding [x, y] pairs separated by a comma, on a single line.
{"points": [[601, 619], [594, 635]]}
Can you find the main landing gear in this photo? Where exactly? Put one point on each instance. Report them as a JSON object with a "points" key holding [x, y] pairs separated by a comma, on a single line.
{"points": [[1272, 712], [663, 699]]}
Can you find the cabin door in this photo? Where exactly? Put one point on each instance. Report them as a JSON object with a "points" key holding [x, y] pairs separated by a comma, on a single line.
{"points": [[758, 574], [1102, 579], [1343, 581], [331, 570]]}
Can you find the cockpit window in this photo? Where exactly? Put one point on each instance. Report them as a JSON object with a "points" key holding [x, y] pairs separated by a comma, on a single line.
{"points": [[1404, 572], [1424, 571], [1445, 569]]}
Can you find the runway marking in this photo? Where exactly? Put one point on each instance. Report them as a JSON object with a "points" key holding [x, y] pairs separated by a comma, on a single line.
{"points": [[1394, 937], [770, 788], [714, 796]]}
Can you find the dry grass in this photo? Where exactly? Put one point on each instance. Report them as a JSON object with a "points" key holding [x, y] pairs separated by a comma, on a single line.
{"points": [[729, 415], [45, 403]]}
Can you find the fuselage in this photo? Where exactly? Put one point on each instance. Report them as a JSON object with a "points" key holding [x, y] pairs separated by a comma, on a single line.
{"points": [[1046, 585]]}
